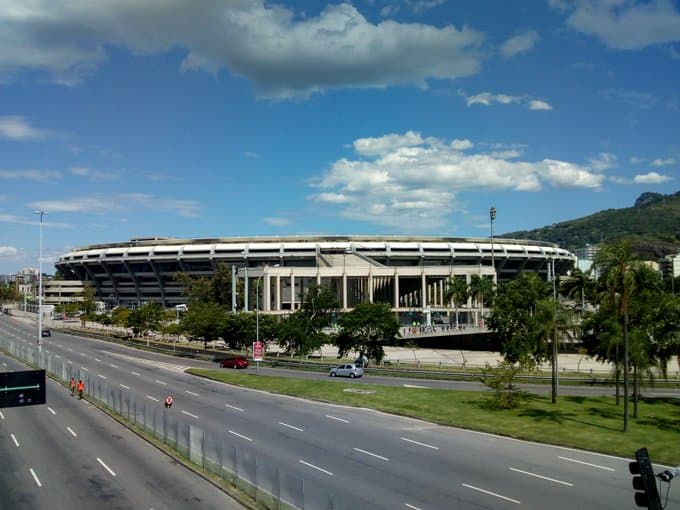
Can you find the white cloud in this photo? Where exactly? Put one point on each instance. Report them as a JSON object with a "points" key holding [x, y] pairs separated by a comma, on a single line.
{"points": [[461, 145], [30, 175], [635, 160], [8, 251], [624, 24], [650, 178], [277, 221], [487, 99], [536, 104], [103, 204], [16, 128], [603, 161], [663, 162], [414, 182], [641, 100], [519, 44], [282, 52], [421, 6], [251, 155]]}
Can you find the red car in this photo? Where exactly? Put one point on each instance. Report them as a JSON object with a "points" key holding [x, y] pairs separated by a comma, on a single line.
{"points": [[235, 362]]}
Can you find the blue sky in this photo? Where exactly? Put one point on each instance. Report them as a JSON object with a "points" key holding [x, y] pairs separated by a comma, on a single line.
{"points": [[176, 118]]}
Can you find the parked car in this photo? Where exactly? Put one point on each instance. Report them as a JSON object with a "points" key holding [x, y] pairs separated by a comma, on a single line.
{"points": [[349, 370], [46, 332], [234, 362]]}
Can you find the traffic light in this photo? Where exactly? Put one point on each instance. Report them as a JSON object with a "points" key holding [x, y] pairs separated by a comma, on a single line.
{"points": [[646, 494]]}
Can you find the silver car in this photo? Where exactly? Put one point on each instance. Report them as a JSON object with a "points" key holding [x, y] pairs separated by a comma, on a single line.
{"points": [[349, 370]]}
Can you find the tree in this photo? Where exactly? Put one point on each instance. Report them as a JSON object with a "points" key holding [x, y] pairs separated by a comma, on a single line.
{"points": [[145, 318], [481, 290], [213, 289], [367, 329], [302, 332], [458, 292], [203, 321], [120, 316], [576, 286], [616, 264]]}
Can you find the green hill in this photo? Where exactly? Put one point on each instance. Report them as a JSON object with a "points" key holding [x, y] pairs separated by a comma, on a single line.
{"points": [[652, 225]]}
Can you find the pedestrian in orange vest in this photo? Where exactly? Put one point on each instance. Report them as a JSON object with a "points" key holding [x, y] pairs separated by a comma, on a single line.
{"points": [[168, 401], [73, 386], [81, 387]]}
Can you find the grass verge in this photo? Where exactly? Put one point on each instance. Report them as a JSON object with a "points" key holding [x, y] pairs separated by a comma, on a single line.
{"points": [[589, 423]]}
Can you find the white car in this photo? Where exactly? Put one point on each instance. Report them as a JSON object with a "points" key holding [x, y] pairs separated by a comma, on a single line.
{"points": [[349, 370]]}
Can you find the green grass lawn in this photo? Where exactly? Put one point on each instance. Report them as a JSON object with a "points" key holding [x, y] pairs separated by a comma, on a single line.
{"points": [[590, 423]]}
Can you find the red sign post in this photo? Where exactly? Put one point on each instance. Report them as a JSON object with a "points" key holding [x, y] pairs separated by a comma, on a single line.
{"points": [[257, 351]]}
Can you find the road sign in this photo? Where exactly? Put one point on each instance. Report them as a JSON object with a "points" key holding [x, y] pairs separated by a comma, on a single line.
{"points": [[257, 351], [26, 388]]}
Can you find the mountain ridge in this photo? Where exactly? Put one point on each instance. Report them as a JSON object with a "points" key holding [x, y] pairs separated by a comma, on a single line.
{"points": [[652, 225]]}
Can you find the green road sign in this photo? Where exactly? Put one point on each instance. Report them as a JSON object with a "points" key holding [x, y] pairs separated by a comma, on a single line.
{"points": [[26, 388]]}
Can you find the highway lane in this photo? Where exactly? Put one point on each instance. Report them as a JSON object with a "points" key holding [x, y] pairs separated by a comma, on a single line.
{"points": [[67, 454], [368, 459]]}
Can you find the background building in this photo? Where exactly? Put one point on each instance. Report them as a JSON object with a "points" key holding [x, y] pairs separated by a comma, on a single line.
{"points": [[409, 273]]}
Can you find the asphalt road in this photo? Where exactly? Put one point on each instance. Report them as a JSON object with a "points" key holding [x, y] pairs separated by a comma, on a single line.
{"points": [[68, 454], [351, 457]]}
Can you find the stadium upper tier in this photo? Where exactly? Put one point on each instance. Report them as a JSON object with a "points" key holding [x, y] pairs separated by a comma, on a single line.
{"points": [[407, 272]]}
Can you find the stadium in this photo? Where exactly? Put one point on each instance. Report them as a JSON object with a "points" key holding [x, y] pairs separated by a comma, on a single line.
{"points": [[409, 273]]}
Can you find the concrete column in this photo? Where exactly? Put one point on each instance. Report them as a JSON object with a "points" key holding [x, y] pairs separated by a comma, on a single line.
{"points": [[423, 291], [267, 293], [278, 292], [370, 286], [396, 289], [292, 290], [344, 290], [245, 291]]}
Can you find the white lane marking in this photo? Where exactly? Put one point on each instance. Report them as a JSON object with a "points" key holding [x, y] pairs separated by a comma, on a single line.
{"points": [[161, 382], [541, 477], [371, 454], [71, 431], [239, 435], [69, 362], [15, 440], [57, 356], [112, 365], [70, 349], [151, 398], [234, 407], [412, 507], [102, 376], [51, 410], [105, 466], [291, 426], [2, 416], [415, 386], [98, 360], [85, 368], [419, 443], [82, 353], [123, 386], [189, 414], [35, 477], [192, 393], [490, 493], [336, 418], [316, 467], [135, 373], [4, 364], [585, 463]]}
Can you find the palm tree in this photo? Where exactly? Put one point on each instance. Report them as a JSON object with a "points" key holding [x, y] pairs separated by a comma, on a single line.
{"points": [[458, 292], [616, 263], [481, 290], [576, 285]]}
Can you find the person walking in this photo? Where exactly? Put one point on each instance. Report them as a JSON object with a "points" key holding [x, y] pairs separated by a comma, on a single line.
{"points": [[81, 387], [73, 386], [168, 402]]}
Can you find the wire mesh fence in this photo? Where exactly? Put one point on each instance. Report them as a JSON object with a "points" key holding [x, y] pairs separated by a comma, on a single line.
{"points": [[268, 484]]}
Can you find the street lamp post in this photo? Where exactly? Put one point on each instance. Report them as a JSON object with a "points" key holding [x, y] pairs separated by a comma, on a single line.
{"points": [[40, 292], [492, 216], [257, 311]]}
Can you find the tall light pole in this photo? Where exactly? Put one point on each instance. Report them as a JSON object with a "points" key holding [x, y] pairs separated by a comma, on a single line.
{"points": [[40, 292], [257, 305], [492, 216]]}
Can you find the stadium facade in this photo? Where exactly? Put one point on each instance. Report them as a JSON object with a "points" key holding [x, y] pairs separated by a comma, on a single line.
{"points": [[409, 273]]}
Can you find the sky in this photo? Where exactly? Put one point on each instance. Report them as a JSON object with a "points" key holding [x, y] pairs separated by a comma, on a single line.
{"points": [[219, 118]]}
